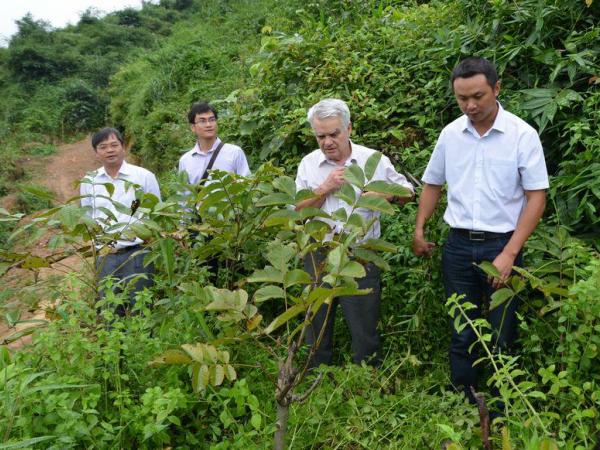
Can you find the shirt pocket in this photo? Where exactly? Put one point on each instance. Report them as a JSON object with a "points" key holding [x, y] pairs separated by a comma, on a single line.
{"points": [[502, 175]]}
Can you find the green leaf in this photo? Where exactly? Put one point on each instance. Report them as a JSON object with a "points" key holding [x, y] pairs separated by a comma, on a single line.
{"points": [[267, 275], [167, 253], [285, 184], [317, 229], [335, 257], [383, 187], [297, 276], [353, 269], [310, 212], [256, 421], [171, 357], [371, 165], [35, 262], [347, 194], [375, 203], [267, 293], [354, 175], [110, 188], [196, 352], [303, 194], [277, 199], [226, 300], [379, 245], [217, 375], [279, 254], [230, 372], [500, 296], [489, 269], [69, 215], [38, 192], [283, 318], [282, 217], [26, 443]]}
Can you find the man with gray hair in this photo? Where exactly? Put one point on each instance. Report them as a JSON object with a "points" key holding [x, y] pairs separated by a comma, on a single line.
{"points": [[322, 172]]}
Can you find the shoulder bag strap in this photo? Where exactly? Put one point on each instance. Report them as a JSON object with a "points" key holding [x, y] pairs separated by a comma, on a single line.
{"points": [[211, 162]]}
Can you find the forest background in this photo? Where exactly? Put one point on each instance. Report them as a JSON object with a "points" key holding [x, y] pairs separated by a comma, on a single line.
{"points": [[262, 64]]}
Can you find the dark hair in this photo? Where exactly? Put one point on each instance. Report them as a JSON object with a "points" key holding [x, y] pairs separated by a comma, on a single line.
{"points": [[200, 108], [104, 134], [469, 67]]}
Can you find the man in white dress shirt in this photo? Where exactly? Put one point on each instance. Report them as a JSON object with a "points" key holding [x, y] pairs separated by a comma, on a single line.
{"points": [[322, 171], [493, 165], [125, 261], [230, 158]]}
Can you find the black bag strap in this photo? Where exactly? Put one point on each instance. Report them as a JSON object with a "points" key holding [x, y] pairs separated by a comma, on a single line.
{"points": [[211, 162]]}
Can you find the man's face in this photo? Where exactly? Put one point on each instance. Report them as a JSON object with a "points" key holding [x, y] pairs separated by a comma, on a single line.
{"points": [[110, 151], [205, 126], [333, 138], [477, 99]]}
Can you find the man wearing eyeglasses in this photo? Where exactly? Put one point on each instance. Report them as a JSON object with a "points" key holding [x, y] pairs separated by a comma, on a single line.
{"points": [[197, 161]]}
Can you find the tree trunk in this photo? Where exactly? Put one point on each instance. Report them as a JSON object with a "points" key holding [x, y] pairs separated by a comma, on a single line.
{"points": [[281, 426]]}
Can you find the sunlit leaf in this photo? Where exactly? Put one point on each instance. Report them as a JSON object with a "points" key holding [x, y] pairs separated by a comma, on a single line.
{"points": [[375, 203], [353, 269], [268, 292], [355, 176], [371, 165]]}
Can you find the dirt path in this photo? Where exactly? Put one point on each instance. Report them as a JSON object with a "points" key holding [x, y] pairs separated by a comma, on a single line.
{"points": [[59, 173]]}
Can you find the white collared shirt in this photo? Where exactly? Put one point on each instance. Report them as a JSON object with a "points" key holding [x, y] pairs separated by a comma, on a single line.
{"points": [[93, 193], [487, 175], [231, 158], [315, 168]]}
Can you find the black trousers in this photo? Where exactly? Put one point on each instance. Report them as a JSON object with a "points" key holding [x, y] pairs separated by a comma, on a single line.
{"points": [[361, 313], [124, 266], [462, 276]]}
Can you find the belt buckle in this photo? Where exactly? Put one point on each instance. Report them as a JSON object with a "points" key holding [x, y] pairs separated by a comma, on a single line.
{"points": [[477, 236]]}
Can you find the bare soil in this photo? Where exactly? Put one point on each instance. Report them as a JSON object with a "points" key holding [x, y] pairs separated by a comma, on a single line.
{"points": [[59, 173]]}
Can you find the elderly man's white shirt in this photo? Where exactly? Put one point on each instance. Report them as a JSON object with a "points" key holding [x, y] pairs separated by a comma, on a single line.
{"points": [[487, 175], [315, 168], [231, 158], [96, 196]]}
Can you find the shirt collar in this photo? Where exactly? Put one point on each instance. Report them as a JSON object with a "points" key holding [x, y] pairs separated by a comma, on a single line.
{"points": [[125, 169], [352, 159], [197, 150], [498, 125]]}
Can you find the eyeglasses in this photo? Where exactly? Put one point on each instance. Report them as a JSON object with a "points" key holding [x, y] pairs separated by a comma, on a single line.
{"points": [[206, 121]]}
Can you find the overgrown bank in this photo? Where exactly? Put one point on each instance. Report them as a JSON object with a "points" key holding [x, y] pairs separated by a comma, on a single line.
{"points": [[390, 60]]}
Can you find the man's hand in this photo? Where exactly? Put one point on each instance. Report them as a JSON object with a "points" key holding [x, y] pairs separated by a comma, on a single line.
{"points": [[504, 263], [421, 247], [333, 182]]}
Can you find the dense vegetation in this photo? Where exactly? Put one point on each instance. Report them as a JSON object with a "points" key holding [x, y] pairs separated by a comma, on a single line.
{"points": [[85, 385]]}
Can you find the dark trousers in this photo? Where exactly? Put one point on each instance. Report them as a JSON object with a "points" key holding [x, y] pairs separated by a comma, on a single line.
{"points": [[461, 276], [361, 313], [125, 266]]}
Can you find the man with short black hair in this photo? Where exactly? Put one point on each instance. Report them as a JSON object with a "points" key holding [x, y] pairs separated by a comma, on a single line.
{"points": [[125, 260], [209, 148], [493, 165], [322, 172]]}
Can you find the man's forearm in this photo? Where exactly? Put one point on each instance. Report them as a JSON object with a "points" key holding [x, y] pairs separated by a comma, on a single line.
{"points": [[528, 220], [314, 202], [429, 199]]}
